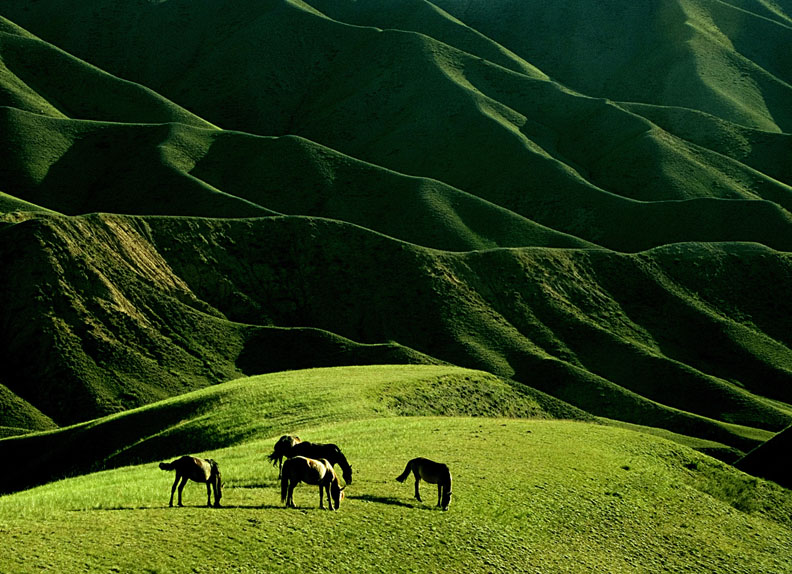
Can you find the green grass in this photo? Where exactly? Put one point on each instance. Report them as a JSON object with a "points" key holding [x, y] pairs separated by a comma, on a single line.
{"points": [[409, 88], [318, 163], [529, 496], [156, 306], [250, 408]]}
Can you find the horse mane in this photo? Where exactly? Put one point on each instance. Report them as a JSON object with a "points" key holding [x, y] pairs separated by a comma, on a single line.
{"points": [[342, 461]]}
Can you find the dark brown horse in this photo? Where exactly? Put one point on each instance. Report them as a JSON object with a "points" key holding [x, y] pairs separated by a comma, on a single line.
{"points": [[199, 470], [281, 450], [317, 472], [433, 473], [290, 446]]}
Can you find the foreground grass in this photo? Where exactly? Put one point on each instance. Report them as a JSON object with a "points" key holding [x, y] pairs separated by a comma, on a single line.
{"points": [[529, 496]]}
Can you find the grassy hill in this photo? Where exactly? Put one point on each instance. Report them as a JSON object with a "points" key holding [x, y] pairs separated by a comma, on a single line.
{"points": [[138, 309], [398, 97], [593, 202], [251, 408], [529, 494]]}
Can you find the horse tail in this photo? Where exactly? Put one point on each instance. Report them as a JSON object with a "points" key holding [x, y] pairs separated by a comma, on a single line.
{"points": [[403, 476], [217, 477], [167, 465]]}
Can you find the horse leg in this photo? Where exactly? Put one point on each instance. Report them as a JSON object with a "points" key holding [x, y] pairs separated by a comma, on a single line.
{"points": [[217, 486], [208, 493], [181, 488], [439, 493], [417, 492], [290, 497], [321, 498], [173, 488]]}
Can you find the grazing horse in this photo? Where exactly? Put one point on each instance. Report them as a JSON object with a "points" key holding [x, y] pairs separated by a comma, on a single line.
{"points": [[291, 446], [433, 473], [199, 470], [282, 449], [317, 472]]}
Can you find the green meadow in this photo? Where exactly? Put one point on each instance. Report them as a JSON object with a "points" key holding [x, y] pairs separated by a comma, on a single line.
{"points": [[547, 243], [529, 495]]}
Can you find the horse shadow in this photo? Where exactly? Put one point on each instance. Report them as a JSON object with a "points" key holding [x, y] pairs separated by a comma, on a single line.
{"points": [[384, 500]]}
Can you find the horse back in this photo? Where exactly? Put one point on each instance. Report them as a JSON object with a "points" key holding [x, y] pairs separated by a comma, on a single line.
{"points": [[307, 470], [198, 469], [431, 471]]}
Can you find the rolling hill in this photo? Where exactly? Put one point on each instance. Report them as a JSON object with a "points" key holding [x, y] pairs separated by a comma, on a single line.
{"points": [[528, 493], [593, 201]]}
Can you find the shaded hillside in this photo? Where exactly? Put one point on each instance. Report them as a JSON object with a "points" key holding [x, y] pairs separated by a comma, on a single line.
{"points": [[174, 169], [135, 309], [770, 460], [716, 57], [593, 202], [420, 102]]}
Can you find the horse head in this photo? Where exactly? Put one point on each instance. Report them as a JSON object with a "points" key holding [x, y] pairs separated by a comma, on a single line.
{"points": [[446, 500], [336, 493]]}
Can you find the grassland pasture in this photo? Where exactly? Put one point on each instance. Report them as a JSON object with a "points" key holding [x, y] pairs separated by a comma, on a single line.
{"points": [[546, 243], [529, 496]]}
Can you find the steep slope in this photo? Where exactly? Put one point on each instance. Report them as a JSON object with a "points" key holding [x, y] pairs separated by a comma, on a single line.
{"points": [[137, 309], [413, 103], [769, 460], [715, 57], [593, 200], [75, 167]]}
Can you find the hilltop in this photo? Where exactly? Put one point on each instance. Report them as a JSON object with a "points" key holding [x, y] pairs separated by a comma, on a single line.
{"points": [[528, 493]]}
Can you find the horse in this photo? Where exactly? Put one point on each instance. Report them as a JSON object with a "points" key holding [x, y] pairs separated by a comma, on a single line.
{"points": [[316, 472], [291, 446], [199, 470], [433, 473], [281, 450]]}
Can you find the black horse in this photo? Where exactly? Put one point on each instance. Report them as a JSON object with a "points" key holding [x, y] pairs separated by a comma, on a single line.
{"points": [[290, 446]]}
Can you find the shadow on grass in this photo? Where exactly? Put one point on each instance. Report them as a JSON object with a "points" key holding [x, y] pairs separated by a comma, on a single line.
{"points": [[384, 500], [186, 506]]}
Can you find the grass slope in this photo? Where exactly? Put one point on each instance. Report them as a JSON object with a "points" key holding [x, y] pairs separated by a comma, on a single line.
{"points": [[385, 133], [138, 309], [529, 496], [251, 408], [416, 91], [695, 54], [173, 169]]}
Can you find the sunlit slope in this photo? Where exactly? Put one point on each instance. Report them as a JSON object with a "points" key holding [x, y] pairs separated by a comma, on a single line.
{"points": [[258, 407], [75, 167], [142, 308], [457, 107], [529, 495], [19, 416], [716, 57]]}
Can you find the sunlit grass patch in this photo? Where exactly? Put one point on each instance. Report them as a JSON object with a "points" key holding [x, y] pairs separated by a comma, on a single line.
{"points": [[529, 496]]}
